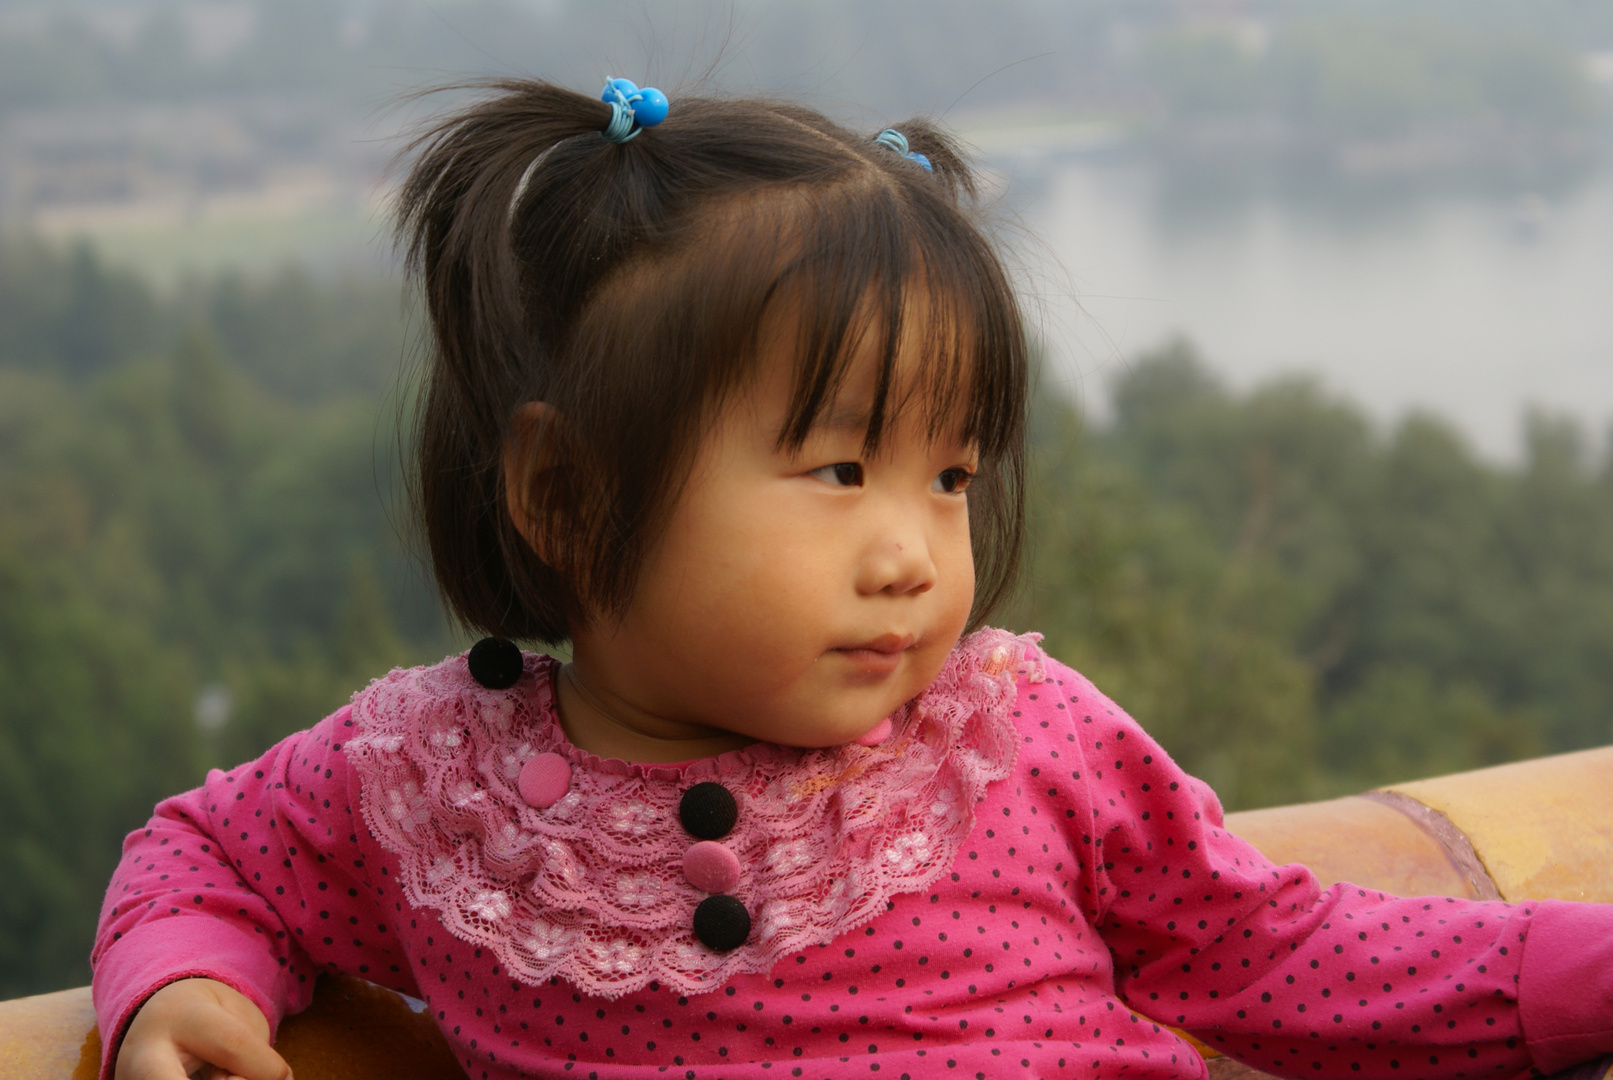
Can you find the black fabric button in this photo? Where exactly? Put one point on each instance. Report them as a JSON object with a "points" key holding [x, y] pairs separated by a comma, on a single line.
{"points": [[495, 663], [721, 923], [708, 811]]}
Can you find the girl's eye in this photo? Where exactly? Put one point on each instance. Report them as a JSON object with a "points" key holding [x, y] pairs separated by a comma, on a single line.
{"points": [[841, 474], [952, 481]]}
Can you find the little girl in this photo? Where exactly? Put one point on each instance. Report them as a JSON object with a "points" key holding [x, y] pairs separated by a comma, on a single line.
{"points": [[734, 404]]}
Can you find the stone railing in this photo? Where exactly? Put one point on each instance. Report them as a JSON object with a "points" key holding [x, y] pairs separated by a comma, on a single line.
{"points": [[1535, 829]]}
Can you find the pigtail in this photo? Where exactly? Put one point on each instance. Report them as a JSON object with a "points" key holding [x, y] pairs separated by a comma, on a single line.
{"points": [[454, 217], [951, 169], [455, 214]]}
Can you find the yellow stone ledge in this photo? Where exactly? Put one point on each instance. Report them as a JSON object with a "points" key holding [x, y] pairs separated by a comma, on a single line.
{"points": [[352, 1031], [1538, 829]]}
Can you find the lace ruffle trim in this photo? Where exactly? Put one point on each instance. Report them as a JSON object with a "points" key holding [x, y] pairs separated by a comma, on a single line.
{"points": [[592, 890]]}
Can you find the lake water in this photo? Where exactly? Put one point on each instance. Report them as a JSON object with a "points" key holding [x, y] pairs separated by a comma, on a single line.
{"points": [[1473, 306]]}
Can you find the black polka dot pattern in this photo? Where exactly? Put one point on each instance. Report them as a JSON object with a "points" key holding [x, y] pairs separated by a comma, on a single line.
{"points": [[1097, 901]]}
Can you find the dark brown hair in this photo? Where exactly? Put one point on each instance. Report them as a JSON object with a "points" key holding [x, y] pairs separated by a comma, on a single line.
{"points": [[626, 286]]}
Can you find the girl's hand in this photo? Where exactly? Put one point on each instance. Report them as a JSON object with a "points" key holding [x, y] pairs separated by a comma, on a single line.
{"points": [[199, 1028]]}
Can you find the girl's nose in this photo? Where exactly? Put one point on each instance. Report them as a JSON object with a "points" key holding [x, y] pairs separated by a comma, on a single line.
{"points": [[897, 563]]}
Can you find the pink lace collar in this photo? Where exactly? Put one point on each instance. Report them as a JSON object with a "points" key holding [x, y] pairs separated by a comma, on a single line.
{"points": [[591, 889]]}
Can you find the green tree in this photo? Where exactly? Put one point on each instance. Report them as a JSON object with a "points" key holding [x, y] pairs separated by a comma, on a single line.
{"points": [[1136, 595], [93, 725]]}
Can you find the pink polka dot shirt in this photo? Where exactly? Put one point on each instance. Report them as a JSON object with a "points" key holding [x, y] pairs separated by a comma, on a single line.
{"points": [[1019, 882]]}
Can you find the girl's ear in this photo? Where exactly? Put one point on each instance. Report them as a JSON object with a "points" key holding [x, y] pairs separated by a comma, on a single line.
{"points": [[532, 477]]}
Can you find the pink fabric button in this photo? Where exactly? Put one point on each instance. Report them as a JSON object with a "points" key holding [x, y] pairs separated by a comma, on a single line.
{"points": [[876, 734], [544, 779], [710, 867]]}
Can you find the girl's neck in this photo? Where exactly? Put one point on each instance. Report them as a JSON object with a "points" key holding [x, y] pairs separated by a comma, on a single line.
{"points": [[603, 725]]}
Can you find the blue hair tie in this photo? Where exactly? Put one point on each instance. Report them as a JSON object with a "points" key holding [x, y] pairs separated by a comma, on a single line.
{"points": [[631, 109], [898, 142]]}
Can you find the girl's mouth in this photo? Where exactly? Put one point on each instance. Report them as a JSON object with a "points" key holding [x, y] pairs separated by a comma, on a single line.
{"points": [[881, 655]]}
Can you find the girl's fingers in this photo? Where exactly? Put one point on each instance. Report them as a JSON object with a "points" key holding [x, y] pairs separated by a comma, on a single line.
{"points": [[155, 1063], [233, 1049]]}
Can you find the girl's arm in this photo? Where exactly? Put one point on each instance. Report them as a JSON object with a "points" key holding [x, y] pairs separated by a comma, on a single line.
{"points": [[1264, 964], [259, 879]]}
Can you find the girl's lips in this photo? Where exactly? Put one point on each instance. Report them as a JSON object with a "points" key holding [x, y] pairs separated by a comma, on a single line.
{"points": [[881, 655]]}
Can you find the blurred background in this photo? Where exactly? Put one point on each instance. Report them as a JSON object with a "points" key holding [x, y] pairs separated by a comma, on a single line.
{"points": [[1323, 487]]}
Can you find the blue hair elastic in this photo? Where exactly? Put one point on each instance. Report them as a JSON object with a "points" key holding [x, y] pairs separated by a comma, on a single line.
{"points": [[631, 109], [898, 142]]}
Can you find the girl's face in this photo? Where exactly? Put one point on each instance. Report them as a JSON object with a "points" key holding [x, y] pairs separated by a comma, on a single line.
{"points": [[797, 597]]}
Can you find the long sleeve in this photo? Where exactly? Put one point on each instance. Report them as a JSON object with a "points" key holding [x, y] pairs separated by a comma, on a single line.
{"points": [[1262, 963], [260, 878]]}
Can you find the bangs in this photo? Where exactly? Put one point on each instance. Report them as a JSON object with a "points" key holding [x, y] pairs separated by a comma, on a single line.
{"points": [[868, 267], [860, 264], [864, 293]]}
